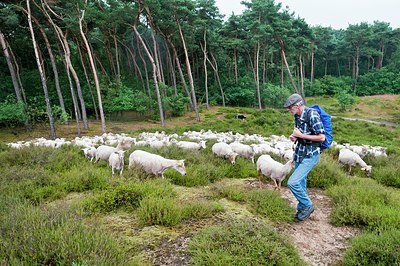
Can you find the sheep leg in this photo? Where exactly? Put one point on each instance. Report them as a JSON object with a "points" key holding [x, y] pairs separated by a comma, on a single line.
{"points": [[259, 178], [276, 185], [279, 185]]}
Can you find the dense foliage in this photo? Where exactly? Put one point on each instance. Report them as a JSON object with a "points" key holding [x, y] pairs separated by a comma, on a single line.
{"points": [[188, 55]]}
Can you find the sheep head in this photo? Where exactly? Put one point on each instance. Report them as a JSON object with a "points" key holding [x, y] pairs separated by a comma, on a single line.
{"points": [[367, 169]]}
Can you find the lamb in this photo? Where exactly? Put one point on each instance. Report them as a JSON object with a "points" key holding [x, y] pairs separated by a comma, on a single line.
{"points": [[155, 164], [116, 161], [191, 145], [224, 150], [243, 150], [351, 158], [273, 169], [90, 153]]}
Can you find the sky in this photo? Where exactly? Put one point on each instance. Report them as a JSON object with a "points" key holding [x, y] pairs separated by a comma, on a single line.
{"points": [[335, 13]]}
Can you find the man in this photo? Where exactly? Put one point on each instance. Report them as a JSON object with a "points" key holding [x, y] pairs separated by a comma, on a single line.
{"points": [[309, 134]]}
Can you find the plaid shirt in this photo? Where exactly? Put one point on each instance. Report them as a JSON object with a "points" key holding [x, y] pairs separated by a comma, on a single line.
{"points": [[304, 147]]}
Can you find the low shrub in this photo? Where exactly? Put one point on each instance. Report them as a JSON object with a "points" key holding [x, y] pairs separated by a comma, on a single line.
{"points": [[242, 242], [160, 211], [325, 174], [270, 204], [364, 203], [374, 249], [36, 236]]}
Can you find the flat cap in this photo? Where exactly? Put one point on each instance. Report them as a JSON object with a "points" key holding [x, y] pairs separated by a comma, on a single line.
{"points": [[293, 99]]}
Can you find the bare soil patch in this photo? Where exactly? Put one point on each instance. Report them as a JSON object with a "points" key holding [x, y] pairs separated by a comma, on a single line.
{"points": [[318, 241]]}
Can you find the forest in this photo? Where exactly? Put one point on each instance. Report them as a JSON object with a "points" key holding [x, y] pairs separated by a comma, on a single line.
{"points": [[66, 61]]}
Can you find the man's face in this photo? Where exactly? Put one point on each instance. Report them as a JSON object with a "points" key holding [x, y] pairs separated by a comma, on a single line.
{"points": [[293, 109]]}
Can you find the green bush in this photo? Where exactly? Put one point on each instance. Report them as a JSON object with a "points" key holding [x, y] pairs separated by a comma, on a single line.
{"points": [[326, 173], [122, 196], [374, 249], [242, 242], [362, 202], [12, 113], [160, 211], [346, 100], [49, 236], [274, 95], [271, 205]]}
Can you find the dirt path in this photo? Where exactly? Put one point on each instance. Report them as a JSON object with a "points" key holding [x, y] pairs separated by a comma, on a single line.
{"points": [[319, 242], [386, 123]]}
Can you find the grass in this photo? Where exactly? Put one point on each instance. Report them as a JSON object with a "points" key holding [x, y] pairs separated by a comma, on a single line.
{"points": [[242, 242], [36, 184]]}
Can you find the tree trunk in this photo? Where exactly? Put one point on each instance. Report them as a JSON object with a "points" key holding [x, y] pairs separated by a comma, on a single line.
{"points": [[215, 68], [235, 65], [287, 67], [172, 70], [312, 64], [178, 64], [301, 76], [53, 64], [205, 67], [117, 57], [83, 59], [11, 68], [256, 73], [74, 101], [145, 69], [67, 54], [155, 56], [96, 80], [189, 72], [160, 108], [42, 74]]}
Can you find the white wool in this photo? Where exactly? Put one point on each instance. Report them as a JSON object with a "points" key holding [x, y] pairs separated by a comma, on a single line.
{"points": [[155, 164], [351, 158], [273, 169], [243, 150], [116, 161]]}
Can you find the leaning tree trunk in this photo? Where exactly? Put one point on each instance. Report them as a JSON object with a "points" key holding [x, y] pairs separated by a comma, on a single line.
{"points": [[53, 65], [42, 74], [83, 59], [10, 67], [287, 67], [215, 68], [189, 73], [160, 108], [205, 67], [67, 55], [178, 65], [94, 71]]}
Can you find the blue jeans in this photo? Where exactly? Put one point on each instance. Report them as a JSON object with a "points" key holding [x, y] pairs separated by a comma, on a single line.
{"points": [[297, 182]]}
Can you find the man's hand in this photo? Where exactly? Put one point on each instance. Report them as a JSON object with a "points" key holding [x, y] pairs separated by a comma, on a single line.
{"points": [[292, 138], [296, 133]]}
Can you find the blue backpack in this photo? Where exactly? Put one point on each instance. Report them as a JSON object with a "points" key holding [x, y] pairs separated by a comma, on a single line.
{"points": [[326, 121]]}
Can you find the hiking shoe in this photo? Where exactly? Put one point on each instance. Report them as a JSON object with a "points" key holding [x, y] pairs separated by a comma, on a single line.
{"points": [[305, 213]]}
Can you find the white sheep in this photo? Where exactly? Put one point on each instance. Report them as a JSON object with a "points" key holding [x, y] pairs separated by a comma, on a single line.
{"points": [[155, 164], [222, 149], [351, 158], [104, 151], [90, 153], [191, 145], [116, 161], [243, 150], [273, 169]]}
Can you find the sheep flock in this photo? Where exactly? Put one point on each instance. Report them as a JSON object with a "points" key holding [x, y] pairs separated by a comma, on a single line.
{"points": [[112, 149]]}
